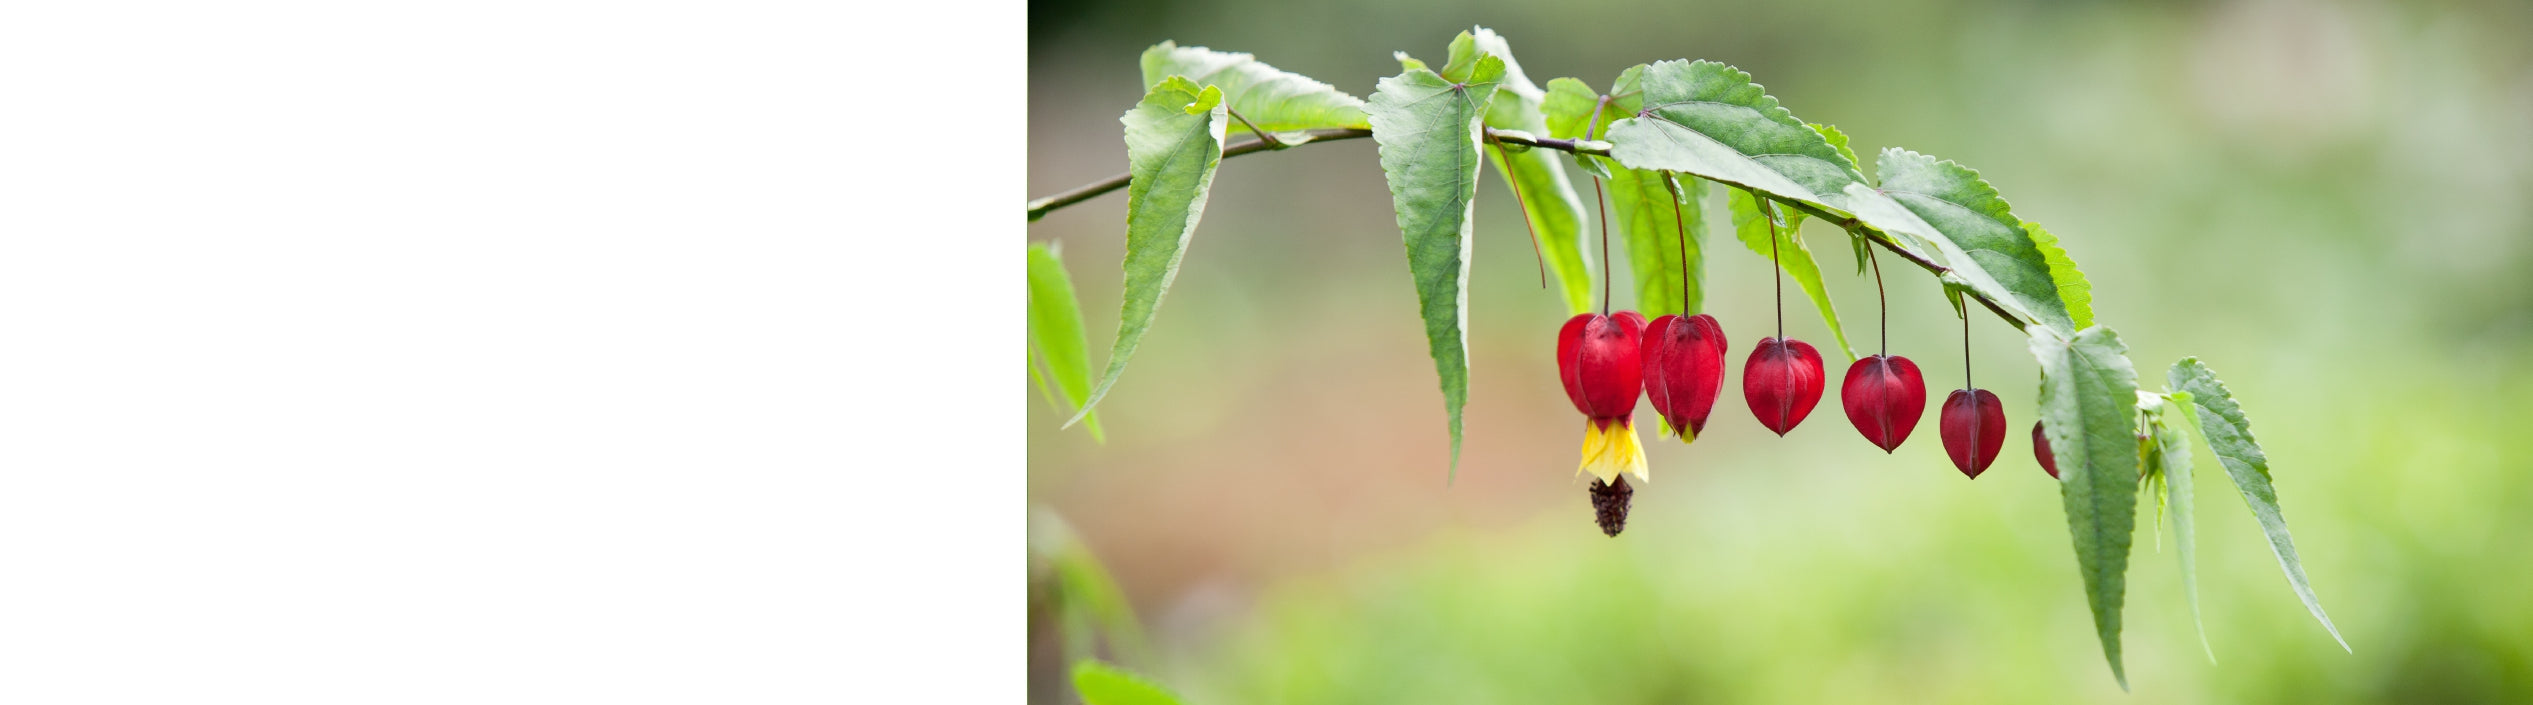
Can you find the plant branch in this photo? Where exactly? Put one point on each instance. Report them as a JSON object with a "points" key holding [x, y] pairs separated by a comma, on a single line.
{"points": [[1042, 206], [1267, 143]]}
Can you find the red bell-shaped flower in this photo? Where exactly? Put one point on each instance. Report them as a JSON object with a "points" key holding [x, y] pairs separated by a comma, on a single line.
{"points": [[1973, 421], [1600, 360], [1884, 397], [1684, 371], [2040, 451], [1782, 381]]}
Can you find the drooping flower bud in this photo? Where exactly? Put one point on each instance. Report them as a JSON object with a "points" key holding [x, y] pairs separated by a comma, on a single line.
{"points": [[1684, 371], [1884, 397], [2040, 451], [1973, 420], [1782, 381], [1600, 360]]}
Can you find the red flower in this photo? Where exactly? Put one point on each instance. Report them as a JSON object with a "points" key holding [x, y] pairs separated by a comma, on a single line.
{"points": [[1599, 359], [1973, 420], [1684, 371], [1782, 381], [1884, 397]]}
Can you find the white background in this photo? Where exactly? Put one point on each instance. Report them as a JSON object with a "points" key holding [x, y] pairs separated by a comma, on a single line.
{"points": [[510, 352]]}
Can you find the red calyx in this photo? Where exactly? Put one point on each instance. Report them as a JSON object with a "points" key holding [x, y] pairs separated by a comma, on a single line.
{"points": [[1884, 397], [1684, 370], [1973, 419], [2040, 450], [1600, 360], [1782, 381]]}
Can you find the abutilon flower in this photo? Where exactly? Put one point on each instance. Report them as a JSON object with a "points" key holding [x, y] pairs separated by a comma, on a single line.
{"points": [[1782, 381], [1600, 360], [1684, 371], [2040, 451], [1973, 429], [1884, 396]]}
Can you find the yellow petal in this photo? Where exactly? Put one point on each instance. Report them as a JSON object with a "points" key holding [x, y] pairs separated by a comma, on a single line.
{"points": [[1612, 450]]}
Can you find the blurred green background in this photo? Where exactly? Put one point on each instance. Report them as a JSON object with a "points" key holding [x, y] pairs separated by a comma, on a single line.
{"points": [[2324, 201]]}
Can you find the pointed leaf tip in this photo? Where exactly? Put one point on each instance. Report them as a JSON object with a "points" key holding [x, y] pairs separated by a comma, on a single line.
{"points": [[2229, 433], [1430, 130], [1172, 155]]}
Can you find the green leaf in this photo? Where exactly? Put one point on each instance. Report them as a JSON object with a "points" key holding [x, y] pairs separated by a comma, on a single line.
{"points": [[2229, 434], [1174, 141], [1102, 684], [1276, 100], [1550, 207], [1429, 130], [1968, 215], [1569, 105], [2073, 290], [1709, 120], [1792, 256], [1836, 139], [1649, 207], [1570, 112], [1555, 215], [2173, 429], [2088, 411], [1056, 333], [1088, 601]]}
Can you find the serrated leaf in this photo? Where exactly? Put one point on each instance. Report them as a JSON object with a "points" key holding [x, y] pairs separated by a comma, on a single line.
{"points": [[2073, 290], [1056, 334], [1174, 141], [2229, 434], [1552, 209], [1429, 129], [1102, 684], [1751, 226], [2088, 398], [1648, 208], [1275, 100], [1836, 139], [1709, 120], [1569, 105], [2173, 429], [1966, 212]]}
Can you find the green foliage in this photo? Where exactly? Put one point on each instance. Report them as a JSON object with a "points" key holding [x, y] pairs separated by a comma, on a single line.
{"points": [[1102, 684], [2169, 433], [2229, 434], [1089, 606], [1651, 209], [2088, 399], [1752, 226], [1708, 119], [1549, 203], [1275, 100], [1972, 225], [1174, 141], [2073, 290], [1429, 129], [1056, 337], [1570, 102]]}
